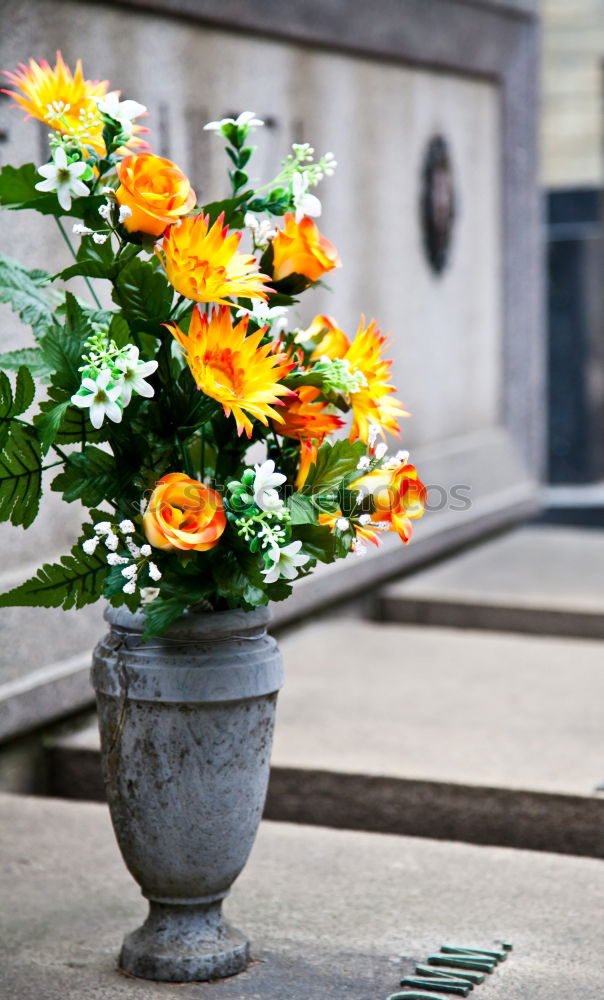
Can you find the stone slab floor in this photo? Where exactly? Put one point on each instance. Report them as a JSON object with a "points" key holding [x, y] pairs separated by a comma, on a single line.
{"points": [[331, 914]]}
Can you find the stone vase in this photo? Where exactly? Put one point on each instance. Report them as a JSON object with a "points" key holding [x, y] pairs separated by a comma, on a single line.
{"points": [[186, 725]]}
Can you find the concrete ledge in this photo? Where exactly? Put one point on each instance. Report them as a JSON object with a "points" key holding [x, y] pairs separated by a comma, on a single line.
{"points": [[44, 696], [332, 915], [537, 579]]}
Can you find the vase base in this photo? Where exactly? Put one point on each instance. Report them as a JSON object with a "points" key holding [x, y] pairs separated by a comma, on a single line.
{"points": [[184, 944]]}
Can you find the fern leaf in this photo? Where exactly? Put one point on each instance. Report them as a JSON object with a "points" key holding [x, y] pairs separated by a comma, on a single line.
{"points": [[76, 580], [20, 476]]}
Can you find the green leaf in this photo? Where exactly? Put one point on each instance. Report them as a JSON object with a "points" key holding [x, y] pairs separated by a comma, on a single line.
{"points": [[20, 476], [334, 464], [18, 190], [14, 404], [302, 509], [94, 260], [50, 420], [71, 583], [23, 291], [317, 540], [91, 476], [162, 612], [230, 206], [32, 357], [144, 295]]}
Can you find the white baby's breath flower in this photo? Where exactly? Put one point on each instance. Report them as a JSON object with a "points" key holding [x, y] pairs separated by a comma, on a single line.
{"points": [[111, 541], [130, 587], [380, 451], [114, 560], [363, 462], [146, 550], [105, 211], [103, 527], [154, 572], [133, 548], [100, 237], [90, 545], [364, 518], [129, 572], [125, 213], [81, 230], [127, 527], [342, 524], [402, 457]]}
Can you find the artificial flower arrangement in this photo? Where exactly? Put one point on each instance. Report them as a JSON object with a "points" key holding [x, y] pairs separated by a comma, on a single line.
{"points": [[153, 403]]}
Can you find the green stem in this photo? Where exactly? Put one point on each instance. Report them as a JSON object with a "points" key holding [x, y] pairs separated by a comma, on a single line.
{"points": [[63, 456], [74, 255]]}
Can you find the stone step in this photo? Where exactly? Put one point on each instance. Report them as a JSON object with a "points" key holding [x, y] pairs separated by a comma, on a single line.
{"points": [[331, 914], [545, 579], [489, 738]]}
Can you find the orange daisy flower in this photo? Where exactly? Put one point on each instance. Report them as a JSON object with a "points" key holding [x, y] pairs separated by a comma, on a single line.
{"points": [[233, 368], [61, 99], [306, 416], [202, 263]]}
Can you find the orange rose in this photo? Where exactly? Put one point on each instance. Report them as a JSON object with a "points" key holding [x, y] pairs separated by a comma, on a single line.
{"points": [[183, 514], [301, 249], [398, 495], [155, 190]]}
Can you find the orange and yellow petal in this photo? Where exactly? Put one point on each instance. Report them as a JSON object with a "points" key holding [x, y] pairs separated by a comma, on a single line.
{"points": [[233, 368], [305, 415], [374, 403], [202, 263], [155, 190]]}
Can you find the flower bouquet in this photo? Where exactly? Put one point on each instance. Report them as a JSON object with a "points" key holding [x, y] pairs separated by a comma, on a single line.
{"points": [[221, 451]]}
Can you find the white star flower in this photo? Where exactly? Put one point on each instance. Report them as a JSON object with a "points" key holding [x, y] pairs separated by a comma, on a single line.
{"points": [[245, 118], [123, 112], [63, 178], [265, 493], [262, 314], [101, 395], [285, 562], [304, 203], [132, 374]]}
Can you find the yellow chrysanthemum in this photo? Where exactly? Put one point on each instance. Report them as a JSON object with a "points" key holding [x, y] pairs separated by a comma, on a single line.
{"points": [[232, 367], [373, 403], [42, 91], [202, 263]]}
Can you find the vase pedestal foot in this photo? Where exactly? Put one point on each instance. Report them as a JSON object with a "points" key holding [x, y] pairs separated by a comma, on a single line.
{"points": [[183, 943]]}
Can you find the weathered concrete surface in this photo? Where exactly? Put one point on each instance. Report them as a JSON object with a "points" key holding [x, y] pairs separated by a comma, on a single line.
{"points": [[545, 579], [435, 732], [330, 913]]}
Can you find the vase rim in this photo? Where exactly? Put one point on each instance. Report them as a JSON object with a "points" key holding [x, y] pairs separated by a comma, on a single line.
{"points": [[195, 625]]}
